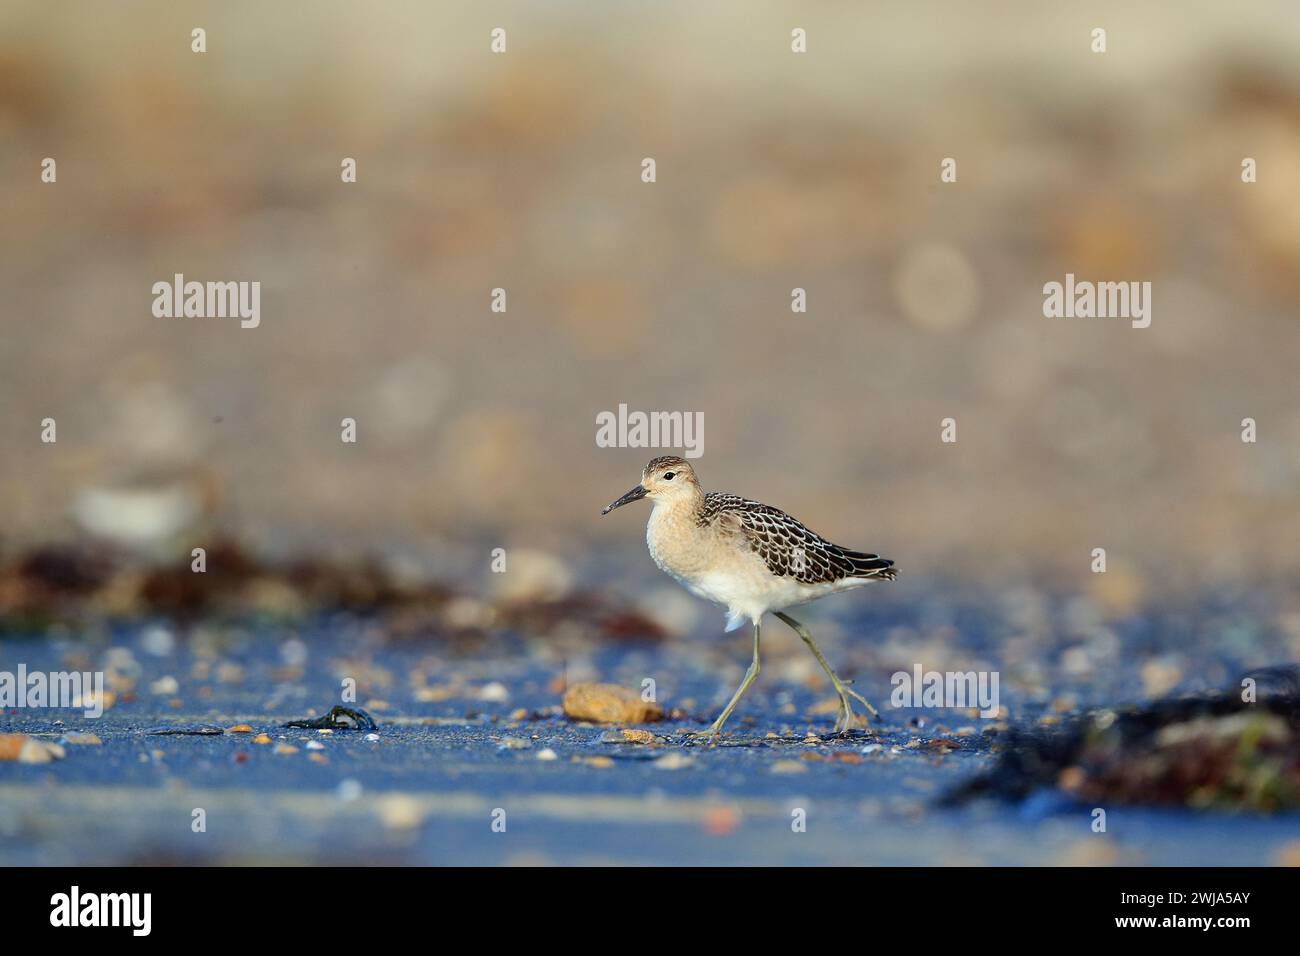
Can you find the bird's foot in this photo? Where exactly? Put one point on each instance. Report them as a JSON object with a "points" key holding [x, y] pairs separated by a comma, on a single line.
{"points": [[710, 736], [847, 721]]}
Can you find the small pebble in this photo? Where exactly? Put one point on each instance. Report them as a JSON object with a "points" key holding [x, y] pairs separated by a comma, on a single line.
{"points": [[1071, 779], [165, 686], [293, 652], [83, 740], [609, 704], [790, 766], [399, 812], [157, 641], [719, 821], [1288, 854], [228, 673], [349, 790], [674, 761], [39, 751], [546, 753]]}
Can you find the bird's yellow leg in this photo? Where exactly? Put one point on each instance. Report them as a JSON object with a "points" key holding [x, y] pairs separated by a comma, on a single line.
{"points": [[750, 676], [845, 719]]}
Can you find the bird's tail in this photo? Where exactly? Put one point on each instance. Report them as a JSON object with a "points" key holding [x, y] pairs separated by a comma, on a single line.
{"points": [[871, 566]]}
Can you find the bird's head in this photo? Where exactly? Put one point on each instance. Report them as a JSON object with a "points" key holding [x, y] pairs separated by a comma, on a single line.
{"points": [[664, 480]]}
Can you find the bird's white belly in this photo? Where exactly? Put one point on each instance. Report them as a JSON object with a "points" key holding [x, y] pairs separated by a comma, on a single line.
{"points": [[718, 588], [749, 592], [720, 571]]}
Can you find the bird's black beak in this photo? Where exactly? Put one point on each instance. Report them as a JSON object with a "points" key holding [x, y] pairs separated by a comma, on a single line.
{"points": [[636, 494]]}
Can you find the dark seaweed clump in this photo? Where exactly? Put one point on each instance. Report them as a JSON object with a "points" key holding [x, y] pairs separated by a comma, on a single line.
{"points": [[1223, 750], [71, 585]]}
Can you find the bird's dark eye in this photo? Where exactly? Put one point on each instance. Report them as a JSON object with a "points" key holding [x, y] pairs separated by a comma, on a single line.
{"points": [[669, 475]]}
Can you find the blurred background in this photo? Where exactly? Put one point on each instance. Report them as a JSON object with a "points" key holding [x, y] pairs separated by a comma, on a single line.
{"points": [[477, 429], [775, 171]]}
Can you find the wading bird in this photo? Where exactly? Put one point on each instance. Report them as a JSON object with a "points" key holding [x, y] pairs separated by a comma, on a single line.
{"points": [[751, 558]]}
